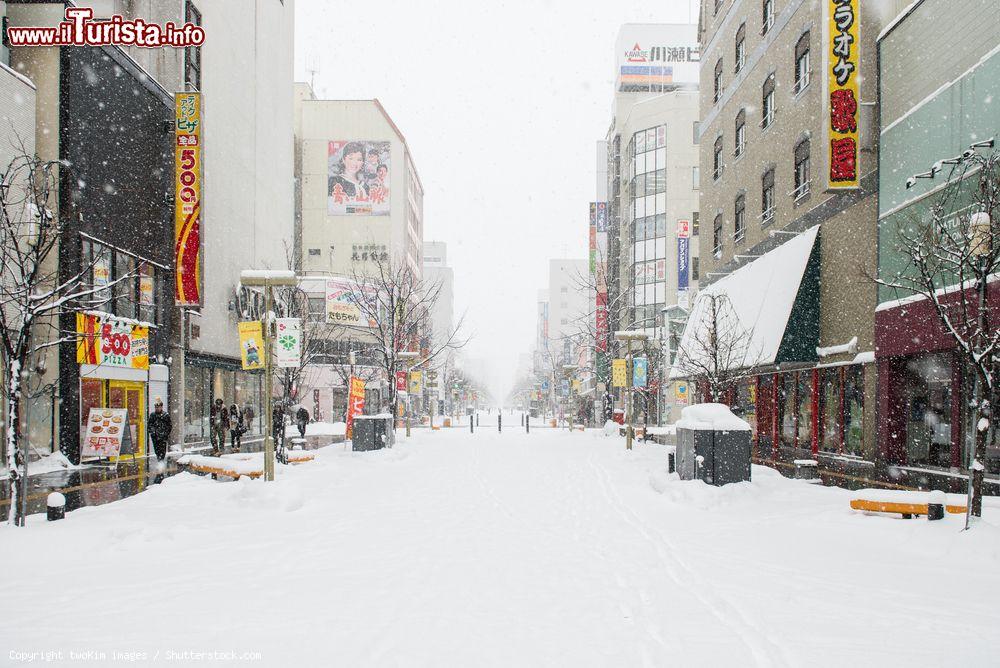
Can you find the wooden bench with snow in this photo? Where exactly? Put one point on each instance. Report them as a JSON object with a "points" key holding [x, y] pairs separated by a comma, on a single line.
{"points": [[906, 503], [227, 465]]}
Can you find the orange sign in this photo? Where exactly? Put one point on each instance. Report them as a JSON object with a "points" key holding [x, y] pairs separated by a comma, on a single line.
{"points": [[187, 199], [355, 402]]}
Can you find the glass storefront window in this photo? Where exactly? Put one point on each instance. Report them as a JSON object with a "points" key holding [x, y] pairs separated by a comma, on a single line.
{"points": [[195, 403], [831, 409], [854, 409], [927, 393], [805, 410], [786, 399]]}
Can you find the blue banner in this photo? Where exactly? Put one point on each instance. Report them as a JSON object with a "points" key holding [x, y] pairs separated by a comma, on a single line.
{"points": [[682, 263], [640, 371]]}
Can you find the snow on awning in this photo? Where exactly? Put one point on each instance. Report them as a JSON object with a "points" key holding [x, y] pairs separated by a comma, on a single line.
{"points": [[777, 310]]}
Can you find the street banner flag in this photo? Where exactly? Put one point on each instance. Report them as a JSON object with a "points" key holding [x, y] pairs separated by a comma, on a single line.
{"points": [[618, 373], [288, 343], [416, 382], [187, 198], [355, 403], [252, 345], [640, 372]]}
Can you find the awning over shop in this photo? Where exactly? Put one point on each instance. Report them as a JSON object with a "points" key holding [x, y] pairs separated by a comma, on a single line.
{"points": [[770, 314]]}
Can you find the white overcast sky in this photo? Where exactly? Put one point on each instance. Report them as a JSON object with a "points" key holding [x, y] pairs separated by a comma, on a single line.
{"points": [[502, 104]]}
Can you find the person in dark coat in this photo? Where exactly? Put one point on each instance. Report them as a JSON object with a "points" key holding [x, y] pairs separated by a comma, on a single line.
{"points": [[278, 422], [301, 420], [219, 418], [159, 428], [236, 427]]}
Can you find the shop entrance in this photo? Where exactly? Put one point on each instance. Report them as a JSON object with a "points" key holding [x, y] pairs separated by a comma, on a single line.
{"points": [[131, 395]]}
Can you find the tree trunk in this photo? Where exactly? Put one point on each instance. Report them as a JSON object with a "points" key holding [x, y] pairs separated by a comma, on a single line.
{"points": [[13, 439], [978, 464]]}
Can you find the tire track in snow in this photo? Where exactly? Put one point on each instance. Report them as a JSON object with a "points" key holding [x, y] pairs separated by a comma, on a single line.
{"points": [[762, 649]]}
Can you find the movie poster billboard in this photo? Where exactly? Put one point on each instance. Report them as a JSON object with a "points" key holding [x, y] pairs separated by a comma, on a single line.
{"points": [[358, 180]]}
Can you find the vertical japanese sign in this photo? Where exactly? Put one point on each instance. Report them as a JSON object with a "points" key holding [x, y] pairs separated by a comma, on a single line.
{"points": [[355, 402], [187, 199], [843, 57], [683, 254], [288, 343], [593, 239], [251, 345]]}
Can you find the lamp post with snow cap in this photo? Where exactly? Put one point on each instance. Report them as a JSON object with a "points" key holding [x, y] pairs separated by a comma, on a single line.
{"points": [[629, 336], [408, 357], [268, 279]]}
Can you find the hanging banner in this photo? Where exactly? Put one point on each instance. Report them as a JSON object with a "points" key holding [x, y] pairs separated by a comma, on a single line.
{"points": [[640, 372], [288, 343], [107, 431], [187, 198], [110, 341], [681, 393], [401, 381], [355, 402], [844, 110], [416, 382], [683, 254], [252, 345], [618, 373]]}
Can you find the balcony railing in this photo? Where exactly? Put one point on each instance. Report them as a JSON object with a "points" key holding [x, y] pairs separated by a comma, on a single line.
{"points": [[801, 192]]}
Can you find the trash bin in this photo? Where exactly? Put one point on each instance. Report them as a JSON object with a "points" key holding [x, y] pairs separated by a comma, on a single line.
{"points": [[713, 445], [371, 432]]}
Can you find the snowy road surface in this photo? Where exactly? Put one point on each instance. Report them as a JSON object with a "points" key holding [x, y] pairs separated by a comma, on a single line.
{"points": [[551, 549]]}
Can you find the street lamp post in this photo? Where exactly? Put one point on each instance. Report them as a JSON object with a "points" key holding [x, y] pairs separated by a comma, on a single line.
{"points": [[408, 357], [629, 337], [268, 279], [568, 370]]}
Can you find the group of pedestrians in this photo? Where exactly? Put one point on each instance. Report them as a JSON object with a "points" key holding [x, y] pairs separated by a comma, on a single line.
{"points": [[231, 420]]}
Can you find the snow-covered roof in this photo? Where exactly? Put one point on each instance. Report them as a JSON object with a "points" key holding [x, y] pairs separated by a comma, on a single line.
{"points": [[761, 294]]}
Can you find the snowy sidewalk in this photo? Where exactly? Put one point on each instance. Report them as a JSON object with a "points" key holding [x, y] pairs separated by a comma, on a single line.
{"points": [[548, 549]]}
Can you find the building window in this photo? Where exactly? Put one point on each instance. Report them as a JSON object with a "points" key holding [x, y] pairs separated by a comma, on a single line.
{"points": [[694, 269], [739, 218], [741, 133], [717, 81], [767, 16], [767, 197], [694, 224], [717, 159], [147, 293], [314, 252], [192, 54], [696, 131], [767, 102], [695, 178], [802, 63], [317, 309], [718, 5], [801, 170], [741, 47], [717, 236]]}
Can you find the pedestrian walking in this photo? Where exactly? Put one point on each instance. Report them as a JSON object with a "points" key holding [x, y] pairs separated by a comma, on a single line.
{"points": [[219, 419], [278, 422], [301, 420], [236, 427], [159, 428]]}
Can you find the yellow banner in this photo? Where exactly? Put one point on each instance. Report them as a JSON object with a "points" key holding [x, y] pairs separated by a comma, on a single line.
{"points": [[252, 345], [187, 198], [416, 382], [844, 104], [109, 341], [618, 373]]}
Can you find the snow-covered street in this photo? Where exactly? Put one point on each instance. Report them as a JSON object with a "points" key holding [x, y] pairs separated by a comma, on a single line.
{"points": [[548, 549]]}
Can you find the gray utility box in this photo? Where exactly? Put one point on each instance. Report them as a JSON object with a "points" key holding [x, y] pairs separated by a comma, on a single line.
{"points": [[712, 446], [371, 432]]}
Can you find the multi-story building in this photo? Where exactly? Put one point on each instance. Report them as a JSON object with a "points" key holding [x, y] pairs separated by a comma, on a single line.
{"points": [[108, 112], [788, 136], [653, 180], [359, 200], [440, 277], [935, 104]]}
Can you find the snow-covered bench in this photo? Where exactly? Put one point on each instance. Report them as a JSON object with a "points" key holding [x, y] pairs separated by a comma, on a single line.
{"points": [[229, 466], [904, 502]]}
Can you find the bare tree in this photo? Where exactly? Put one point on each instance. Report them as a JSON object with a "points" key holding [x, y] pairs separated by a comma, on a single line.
{"points": [[33, 293], [951, 252], [396, 304], [714, 347]]}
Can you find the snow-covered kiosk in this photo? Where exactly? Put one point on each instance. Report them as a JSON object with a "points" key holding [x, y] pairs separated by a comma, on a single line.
{"points": [[712, 445]]}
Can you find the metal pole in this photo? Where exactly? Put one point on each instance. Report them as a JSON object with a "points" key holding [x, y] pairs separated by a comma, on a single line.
{"points": [[409, 398], [628, 398], [268, 352], [527, 419]]}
